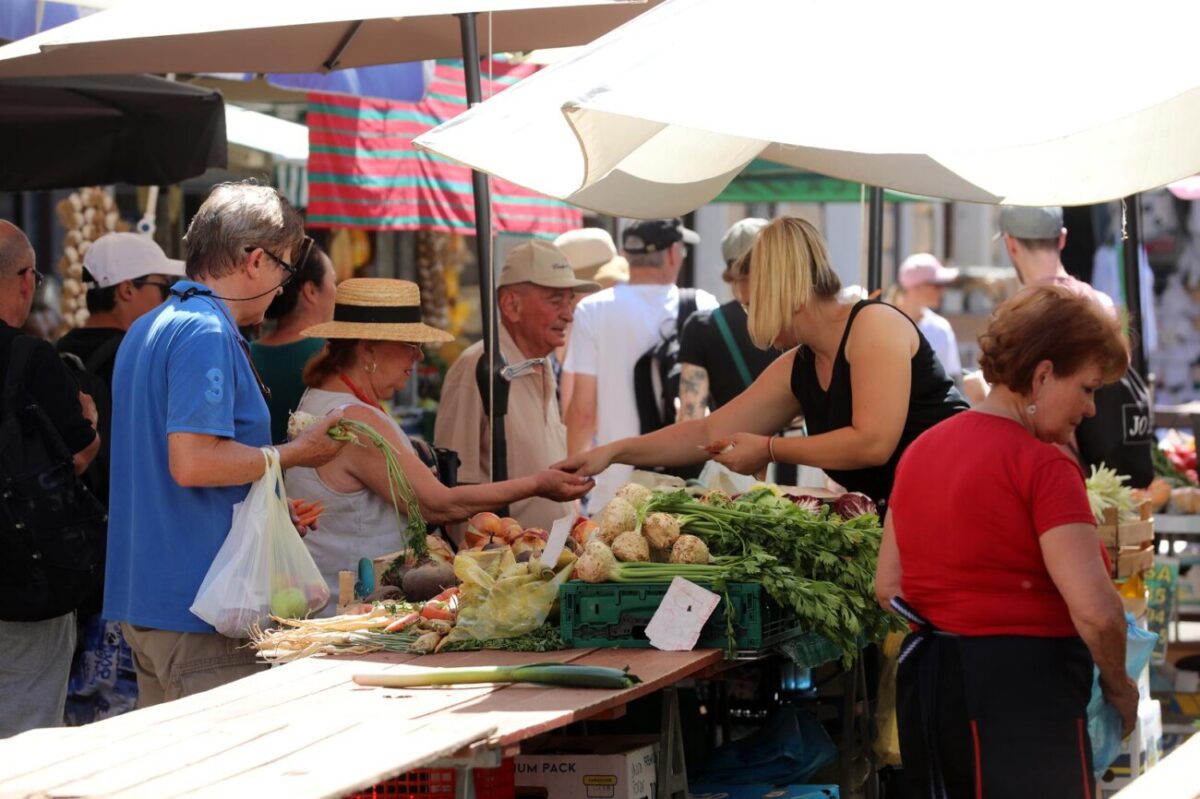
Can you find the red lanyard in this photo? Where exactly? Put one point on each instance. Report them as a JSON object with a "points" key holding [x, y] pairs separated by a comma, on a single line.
{"points": [[358, 392]]}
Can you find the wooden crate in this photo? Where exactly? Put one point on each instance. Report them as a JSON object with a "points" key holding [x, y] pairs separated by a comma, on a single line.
{"points": [[346, 579], [1128, 561], [1127, 534]]}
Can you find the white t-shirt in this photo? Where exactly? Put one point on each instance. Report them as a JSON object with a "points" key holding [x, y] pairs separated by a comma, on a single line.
{"points": [[941, 337], [612, 329]]}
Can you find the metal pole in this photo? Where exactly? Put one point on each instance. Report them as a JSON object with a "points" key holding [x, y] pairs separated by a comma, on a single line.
{"points": [[1133, 279], [875, 241], [492, 387]]}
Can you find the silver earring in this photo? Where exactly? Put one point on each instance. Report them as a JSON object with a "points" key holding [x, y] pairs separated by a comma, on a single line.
{"points": [[371, 369], [1031, 408]]}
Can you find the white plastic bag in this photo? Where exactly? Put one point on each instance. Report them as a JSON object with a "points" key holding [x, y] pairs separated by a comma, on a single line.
{"points": [[263, 568]]}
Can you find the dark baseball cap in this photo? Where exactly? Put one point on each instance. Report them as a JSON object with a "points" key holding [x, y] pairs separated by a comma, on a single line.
{"points": [[656, 235]]}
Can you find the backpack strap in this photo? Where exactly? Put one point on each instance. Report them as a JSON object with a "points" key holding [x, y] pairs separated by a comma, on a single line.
{"points": [[735, 352], [103, 354], [687, 307], [18, 372], [649, 413]]}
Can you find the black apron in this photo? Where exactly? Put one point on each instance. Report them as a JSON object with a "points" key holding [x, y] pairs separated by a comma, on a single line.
{"points": [[993, 717]]}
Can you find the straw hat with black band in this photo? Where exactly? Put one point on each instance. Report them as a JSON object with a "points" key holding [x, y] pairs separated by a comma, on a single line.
{"points": [[378, 309]]}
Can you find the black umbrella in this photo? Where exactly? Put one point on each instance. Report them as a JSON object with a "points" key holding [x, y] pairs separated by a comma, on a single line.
{"points": [[94, 130]]}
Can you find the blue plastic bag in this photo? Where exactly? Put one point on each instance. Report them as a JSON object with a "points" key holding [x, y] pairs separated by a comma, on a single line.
{"points": [[1104, 723]]}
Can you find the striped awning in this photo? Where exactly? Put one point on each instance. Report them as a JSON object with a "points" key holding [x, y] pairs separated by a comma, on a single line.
{"points": [[363, 171]]}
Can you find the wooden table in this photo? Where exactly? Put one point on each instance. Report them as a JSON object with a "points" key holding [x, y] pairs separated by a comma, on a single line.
{"points": [[305, 730]]}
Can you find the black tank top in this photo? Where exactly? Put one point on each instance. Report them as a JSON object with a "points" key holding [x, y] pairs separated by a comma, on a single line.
{"points": [[932, 398]]}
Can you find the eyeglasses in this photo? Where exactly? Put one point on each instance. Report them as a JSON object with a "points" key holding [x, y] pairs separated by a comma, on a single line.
{"points": [[306, 245], [418, 353], [38, 277], [164, 289]]}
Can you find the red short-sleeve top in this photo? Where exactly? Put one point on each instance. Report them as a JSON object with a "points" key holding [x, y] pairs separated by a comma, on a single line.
{"points": [[972, 497]]}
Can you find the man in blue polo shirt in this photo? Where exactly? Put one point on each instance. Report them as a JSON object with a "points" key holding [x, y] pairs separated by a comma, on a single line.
{"points": [[189, 421]]}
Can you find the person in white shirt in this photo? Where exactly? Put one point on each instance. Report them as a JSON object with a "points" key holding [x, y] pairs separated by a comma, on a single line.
{"points": [[612, 330], [921, 280]]}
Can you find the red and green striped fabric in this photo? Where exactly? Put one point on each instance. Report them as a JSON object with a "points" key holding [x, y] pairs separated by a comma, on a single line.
{"points": [[363, 171]]}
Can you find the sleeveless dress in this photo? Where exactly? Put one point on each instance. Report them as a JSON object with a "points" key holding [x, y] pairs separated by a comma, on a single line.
{"points": [[932, 398], [355, 524]]}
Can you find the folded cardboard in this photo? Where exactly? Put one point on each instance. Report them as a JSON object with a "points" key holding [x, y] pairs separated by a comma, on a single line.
{"points": [[613, 767]]}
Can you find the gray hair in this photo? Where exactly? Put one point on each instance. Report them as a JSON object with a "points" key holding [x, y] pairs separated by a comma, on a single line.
{"points": [[655, 259], [236, 216], [16, 252]]}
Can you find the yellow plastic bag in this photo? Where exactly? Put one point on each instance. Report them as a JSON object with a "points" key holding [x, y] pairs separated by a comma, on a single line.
{"points": [[500, 598], [887, 736]]}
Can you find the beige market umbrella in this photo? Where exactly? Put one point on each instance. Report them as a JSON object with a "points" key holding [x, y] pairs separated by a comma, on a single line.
{"points": [[930, 97], [300, 35], [320, 35]]}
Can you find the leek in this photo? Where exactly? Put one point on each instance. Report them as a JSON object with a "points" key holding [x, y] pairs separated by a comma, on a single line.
{"points": [[565, 675]]}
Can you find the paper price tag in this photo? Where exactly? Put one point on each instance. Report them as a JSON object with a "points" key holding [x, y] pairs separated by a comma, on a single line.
{"points": [[676, 625], [558, 539]]}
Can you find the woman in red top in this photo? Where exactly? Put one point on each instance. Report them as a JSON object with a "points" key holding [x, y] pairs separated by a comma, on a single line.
{"points": [[990, 551]]}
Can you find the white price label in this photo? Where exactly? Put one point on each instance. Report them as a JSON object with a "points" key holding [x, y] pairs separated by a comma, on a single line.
{"points": [[683, 612], [558, 539]]}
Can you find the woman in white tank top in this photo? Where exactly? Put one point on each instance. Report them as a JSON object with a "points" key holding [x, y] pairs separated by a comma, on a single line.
{"points": [[373, 345]]}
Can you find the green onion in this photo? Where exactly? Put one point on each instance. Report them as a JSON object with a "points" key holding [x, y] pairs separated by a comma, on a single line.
{"points": [[560, 674]]}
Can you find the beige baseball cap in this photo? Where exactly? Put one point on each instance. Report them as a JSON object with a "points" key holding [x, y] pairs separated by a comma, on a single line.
{"points": [[738, 240], [541, 263], [592, 253]]}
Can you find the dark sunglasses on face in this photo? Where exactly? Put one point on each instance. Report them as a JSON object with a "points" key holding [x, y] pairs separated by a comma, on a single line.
{"points": [[306, 246], [164, 288]]}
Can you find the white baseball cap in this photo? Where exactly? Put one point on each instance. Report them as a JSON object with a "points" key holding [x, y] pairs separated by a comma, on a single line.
{"points": [[116, 257], [924, 268]]}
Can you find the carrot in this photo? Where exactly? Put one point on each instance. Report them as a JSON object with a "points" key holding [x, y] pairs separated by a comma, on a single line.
{"points": [[402, 622], [452, 591], [433, 611]]}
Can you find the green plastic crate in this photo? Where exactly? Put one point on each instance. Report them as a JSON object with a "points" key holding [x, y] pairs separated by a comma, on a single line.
{"points": [[616, 615]]}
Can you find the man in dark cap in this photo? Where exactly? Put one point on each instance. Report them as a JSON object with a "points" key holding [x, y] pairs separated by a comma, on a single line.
{"points": [[614, 328]]}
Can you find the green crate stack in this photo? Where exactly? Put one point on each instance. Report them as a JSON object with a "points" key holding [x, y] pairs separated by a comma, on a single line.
{"points": [[616, 615]]}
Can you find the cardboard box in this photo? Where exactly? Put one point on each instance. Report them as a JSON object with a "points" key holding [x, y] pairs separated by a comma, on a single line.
{"points": [[588, 768], [708, 790], [1127, 534]]}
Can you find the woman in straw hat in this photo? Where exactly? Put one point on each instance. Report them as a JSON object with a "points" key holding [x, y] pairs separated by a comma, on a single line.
{"points": [[374, 342]]}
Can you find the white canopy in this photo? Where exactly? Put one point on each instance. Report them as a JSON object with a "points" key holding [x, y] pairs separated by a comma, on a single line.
{"points": [[299, 35], [1028, 102]]}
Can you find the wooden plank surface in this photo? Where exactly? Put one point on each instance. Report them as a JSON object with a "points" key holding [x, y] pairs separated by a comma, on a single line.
{"points": [[307, 730]]}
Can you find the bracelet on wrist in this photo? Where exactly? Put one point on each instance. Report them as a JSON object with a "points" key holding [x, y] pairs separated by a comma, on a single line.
{"points": [[771, 448]]}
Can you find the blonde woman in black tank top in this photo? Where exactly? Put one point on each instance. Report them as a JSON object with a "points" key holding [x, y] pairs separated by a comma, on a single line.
{"points": [[864, 378]]}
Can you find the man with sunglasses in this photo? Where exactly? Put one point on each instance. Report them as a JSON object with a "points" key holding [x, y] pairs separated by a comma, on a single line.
{"points": [[190, 420]]}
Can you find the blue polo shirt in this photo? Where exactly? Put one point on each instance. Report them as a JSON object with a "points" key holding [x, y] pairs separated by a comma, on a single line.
{"points": [[180, 369]]}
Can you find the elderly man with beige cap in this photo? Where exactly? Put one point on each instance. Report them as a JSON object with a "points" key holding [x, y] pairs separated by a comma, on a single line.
{"points": [[921, 279], [537, 291]]}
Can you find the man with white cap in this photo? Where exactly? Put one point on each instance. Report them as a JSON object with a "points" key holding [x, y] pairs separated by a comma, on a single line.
{"points": [[718, 359], [127, 275], [537, 291], [593, 255], [613, 329], [921, 279]]}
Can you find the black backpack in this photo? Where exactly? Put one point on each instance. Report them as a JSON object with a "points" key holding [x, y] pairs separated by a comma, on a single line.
{"points": [[52, 529], [656, 378]]}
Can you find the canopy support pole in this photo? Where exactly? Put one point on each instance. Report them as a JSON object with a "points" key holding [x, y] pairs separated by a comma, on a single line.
{"points": [[875, 241], [493, 388], [1132, 245]]}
